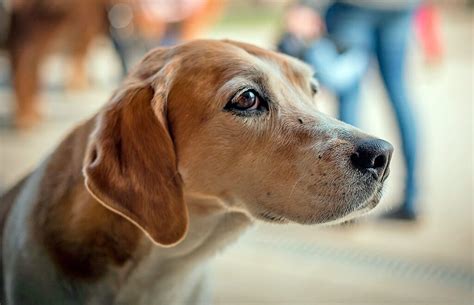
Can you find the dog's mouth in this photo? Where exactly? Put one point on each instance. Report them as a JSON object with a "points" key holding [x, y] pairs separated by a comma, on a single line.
{"points": [[273, 217], [355, 209], [373, 200]]}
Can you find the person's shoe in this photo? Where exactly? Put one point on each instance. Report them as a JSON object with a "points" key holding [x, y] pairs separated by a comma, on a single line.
{"points": [[400, 214]]}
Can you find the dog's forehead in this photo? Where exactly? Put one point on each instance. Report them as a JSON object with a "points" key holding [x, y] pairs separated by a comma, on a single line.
{"points": [[290, 66], [227, 59]]}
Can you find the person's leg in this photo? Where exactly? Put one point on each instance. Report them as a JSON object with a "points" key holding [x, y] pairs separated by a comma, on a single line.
{"points": [[349, 105], [351, 28], [392, 40]]}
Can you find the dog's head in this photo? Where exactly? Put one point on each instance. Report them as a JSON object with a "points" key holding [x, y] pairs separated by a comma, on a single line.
{"points": [[234, 122]]}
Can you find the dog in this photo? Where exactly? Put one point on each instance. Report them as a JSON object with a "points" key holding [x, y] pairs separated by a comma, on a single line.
{"points": [[200, 140], [37, 27]]}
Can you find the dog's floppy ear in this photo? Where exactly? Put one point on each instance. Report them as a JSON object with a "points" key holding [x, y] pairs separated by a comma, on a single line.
{"points": [[131, 168]]}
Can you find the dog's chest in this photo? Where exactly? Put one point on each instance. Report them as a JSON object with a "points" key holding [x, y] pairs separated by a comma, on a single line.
{"points": [[178, 275], [157, 281]]}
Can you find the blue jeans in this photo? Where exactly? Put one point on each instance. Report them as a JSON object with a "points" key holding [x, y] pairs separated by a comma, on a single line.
{"points": [[336, 70], [383, 34]]}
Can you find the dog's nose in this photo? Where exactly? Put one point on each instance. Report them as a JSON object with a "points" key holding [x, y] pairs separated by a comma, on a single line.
{"points": [[373, 155]]}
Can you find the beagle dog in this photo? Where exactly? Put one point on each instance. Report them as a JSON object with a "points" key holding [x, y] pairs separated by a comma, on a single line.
{"points": [[198, 142]]}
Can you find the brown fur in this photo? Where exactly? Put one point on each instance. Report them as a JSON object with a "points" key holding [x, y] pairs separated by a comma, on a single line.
{"points": [[83, 237], [126, 171], [164, 157]]}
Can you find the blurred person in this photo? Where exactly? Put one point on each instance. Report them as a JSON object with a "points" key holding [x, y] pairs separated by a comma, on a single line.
{"points": [[302, 26], [356, 32], [142, 25], [306, 38], [427, 21]]}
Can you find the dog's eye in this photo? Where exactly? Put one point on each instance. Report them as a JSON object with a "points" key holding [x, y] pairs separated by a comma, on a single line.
{"points": [[248, 100]]}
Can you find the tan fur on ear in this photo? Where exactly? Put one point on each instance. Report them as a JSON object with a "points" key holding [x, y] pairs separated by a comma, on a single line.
{"points": [[131, 168]]}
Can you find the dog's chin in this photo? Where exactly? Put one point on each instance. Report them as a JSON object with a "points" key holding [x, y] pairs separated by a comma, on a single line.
{"points": [[345, 212], [358, 210], [272, 217]]}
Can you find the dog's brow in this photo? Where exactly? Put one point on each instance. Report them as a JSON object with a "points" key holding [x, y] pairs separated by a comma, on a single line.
{"points": [[300, 74], [237, 83], [297, 73]]}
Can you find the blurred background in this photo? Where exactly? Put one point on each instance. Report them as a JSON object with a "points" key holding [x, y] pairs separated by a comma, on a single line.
{"points": [[401, 70]]}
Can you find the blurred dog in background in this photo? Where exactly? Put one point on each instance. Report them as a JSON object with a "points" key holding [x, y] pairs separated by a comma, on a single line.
{"points": [[32, 29]]}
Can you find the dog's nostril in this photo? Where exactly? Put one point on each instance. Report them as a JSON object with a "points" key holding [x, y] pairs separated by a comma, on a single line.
{"points": [[372, 155], [380, 161]]}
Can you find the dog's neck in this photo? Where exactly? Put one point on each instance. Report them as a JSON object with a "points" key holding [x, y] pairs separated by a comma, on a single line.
{"points": [[211, 227], [162, 272], [87, 241]]}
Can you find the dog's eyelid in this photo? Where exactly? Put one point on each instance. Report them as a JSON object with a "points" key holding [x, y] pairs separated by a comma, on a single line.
{"points": [[261, 93]]}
